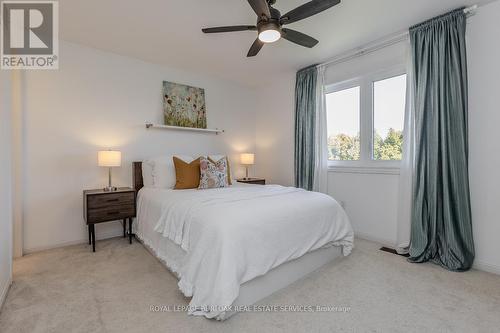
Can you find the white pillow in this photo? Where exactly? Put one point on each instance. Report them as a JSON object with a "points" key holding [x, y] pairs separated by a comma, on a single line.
{"points": [[147, 174], [164, 170]]}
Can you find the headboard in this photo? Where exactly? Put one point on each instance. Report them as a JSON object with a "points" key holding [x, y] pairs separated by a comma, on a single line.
{"points": [[137, 180]]}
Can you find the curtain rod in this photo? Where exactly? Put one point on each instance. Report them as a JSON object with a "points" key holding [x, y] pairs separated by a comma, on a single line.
{"points": [[380, 43]]}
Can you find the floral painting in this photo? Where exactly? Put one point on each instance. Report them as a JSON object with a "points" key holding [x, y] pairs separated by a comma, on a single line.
{"points": [[184, 105]]}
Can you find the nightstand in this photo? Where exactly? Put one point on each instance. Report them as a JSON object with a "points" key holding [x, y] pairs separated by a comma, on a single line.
{"points": [[255, 181], [100, 206]]}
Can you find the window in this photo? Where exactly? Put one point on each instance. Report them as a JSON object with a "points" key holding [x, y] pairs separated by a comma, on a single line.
{"points": [[343, 124], [365, 118], [389, 98]]}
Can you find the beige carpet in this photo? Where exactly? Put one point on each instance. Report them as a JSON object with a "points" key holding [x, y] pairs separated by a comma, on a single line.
{"points": [[73, 290]]}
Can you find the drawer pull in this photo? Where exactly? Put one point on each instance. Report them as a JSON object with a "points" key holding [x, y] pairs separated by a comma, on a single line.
{"points": [[113, 200], [113, 213]]}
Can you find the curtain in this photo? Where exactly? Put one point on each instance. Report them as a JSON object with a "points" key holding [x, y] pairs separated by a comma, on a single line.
{"points": [[407, 165], [321, 144], [305, 127], [441, 229]]}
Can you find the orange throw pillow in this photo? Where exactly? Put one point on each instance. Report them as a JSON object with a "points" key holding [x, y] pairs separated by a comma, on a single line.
{"points": [[187, 174]]}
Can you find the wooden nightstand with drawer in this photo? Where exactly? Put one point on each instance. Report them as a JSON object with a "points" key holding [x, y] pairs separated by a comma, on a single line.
{"points": [[100, 206]]}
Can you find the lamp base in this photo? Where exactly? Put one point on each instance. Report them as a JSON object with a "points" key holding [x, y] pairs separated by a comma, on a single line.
{"points": [[109, 189]]}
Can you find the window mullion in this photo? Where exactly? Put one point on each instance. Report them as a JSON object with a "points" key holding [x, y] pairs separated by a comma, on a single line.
{"points": [[366, 119]]}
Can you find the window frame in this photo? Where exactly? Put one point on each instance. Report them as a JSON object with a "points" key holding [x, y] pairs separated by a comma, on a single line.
{"points": [[344, 85], [366, 163]]}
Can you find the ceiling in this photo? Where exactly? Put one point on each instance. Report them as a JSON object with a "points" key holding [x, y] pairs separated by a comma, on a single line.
{"points": [[168, 32]]}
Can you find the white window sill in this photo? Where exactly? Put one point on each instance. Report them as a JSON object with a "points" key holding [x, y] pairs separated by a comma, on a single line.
{"points": [[365, 170]]}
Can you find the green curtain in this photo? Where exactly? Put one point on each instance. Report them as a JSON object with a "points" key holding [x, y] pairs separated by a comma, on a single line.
{"points": [[305, 119], [441, 219]]}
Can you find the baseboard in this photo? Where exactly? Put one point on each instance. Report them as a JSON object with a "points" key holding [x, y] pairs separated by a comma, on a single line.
{"points": [[479, 265], [482, 266], [4, 291], [381, 241], [99, 236]]}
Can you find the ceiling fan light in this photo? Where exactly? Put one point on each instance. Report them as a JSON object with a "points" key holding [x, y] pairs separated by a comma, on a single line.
{"points": [[269, 36]]}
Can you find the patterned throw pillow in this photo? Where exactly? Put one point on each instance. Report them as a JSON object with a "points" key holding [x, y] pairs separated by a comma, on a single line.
{"points": [[213, 175], [215, 158]]}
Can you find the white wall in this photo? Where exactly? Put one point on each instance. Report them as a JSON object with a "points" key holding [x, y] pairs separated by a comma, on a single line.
{"points": [[484, 119], [371, 200], [98, 100], [5, 185], [275, 128], [17, 144]]}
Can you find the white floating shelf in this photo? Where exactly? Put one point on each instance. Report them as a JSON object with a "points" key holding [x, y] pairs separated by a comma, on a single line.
{"points": [[178, 128]]}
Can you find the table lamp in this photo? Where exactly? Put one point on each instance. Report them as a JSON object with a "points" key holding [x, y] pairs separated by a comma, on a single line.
{"points": [[246, 160], [109, 159]]}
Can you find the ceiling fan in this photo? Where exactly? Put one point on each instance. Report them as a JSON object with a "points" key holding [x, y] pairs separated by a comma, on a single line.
{"points": [[270, 23]]}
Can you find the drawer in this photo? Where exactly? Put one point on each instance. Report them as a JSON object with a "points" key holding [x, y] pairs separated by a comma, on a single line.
{"points": [[254, 182], [257, 182], [110, 213], [108, 199]]}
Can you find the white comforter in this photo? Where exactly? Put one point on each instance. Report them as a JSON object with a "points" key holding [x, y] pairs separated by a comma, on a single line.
{"points": [[235, 234]]}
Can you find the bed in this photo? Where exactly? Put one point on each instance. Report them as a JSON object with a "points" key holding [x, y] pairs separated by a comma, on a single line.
{"points": [[232, 247]]}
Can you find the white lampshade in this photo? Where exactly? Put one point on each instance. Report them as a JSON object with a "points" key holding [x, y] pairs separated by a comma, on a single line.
{"points": [[247, 159], [109, 158]]}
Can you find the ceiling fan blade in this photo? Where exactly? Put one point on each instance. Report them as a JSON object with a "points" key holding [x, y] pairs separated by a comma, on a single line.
{"points": [[260, 7], [298, 38], [229, 29], [308, 9], [256, 46]]}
